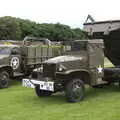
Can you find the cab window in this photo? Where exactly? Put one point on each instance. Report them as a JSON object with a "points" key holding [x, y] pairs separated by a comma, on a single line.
{"points": [[5, 51], [78, 46]]}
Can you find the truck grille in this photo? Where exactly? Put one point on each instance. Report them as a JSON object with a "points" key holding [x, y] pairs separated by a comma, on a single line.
{"points": [[49, 70]]}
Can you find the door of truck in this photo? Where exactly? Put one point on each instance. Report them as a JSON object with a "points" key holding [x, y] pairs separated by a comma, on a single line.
{"points": [[96, 53], [96, 60]]}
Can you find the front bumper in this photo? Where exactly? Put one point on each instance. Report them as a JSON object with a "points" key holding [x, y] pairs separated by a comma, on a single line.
{"points": [[31, 83]]}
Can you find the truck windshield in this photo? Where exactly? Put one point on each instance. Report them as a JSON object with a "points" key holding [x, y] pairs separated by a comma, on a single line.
{"points": [[5, 51], [76, 46]]}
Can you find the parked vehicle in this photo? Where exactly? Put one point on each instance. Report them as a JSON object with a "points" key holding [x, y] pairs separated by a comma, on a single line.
{"points": [[82, 63], [21, 57]]}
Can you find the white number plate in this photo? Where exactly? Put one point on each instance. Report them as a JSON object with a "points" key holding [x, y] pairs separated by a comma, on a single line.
{"points": [[27, 83], [47, 86]]}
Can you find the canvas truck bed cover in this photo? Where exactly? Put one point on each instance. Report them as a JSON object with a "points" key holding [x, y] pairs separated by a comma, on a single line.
{"points": [[109, 31]]}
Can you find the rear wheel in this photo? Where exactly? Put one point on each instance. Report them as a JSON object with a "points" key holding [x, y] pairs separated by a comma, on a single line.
{"points": [[75, 90], [4, 79], [42, 93]]}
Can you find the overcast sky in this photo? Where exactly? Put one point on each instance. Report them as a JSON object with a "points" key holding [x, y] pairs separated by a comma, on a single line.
{"points": [[70, 12]]}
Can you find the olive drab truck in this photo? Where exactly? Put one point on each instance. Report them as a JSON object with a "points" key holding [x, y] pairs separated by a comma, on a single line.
{"points": [[82, 63], [21, 57]]}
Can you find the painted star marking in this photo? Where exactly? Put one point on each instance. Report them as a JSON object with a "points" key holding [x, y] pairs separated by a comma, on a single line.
{"points": [[100, 69]]}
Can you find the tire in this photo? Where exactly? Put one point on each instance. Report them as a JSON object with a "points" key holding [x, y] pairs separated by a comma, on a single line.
{"points": [[42, 93], [75, 90], [4, 79]]}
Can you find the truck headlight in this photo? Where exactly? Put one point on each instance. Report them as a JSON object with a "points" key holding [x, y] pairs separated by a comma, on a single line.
{"points": [[61, 68]]}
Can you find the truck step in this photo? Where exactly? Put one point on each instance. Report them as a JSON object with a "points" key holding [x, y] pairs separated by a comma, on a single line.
{"points": [[101, 82], [16, 74]]}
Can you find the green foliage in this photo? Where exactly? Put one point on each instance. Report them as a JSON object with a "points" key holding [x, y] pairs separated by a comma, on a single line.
{"points": [[9, 28], [16, 28]]}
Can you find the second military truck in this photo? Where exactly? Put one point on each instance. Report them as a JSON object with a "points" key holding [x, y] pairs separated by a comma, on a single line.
{"points": [[21, 57]]}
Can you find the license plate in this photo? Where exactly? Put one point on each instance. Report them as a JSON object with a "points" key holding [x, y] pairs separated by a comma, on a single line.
{"points": [[49, 86], [27, 83]]}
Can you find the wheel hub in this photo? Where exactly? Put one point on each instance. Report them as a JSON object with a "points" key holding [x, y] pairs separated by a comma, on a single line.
{"points": [[77, 91], [4, 80]]}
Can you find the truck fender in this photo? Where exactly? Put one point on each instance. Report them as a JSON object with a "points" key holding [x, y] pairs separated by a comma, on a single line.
{"points": [[7, 68], [80, 73]]}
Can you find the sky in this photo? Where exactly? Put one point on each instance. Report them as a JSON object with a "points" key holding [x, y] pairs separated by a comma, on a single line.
{"points": [[69, 12]]}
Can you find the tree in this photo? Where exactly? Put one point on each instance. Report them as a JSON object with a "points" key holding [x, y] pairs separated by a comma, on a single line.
{"points": [[9, 28], [16, 28]]}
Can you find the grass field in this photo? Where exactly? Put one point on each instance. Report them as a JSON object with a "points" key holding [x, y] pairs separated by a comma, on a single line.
{"points": [[18, 103], [107, 63]]}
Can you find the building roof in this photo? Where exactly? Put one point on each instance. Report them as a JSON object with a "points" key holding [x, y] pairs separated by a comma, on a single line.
{"points": [[102, 26]]}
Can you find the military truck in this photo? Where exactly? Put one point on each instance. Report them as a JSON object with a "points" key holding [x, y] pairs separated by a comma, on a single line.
{"points": [[82, 63], [19, 58]]}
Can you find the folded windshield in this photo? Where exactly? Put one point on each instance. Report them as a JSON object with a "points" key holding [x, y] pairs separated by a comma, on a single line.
{"points": [[76, 46], [5, 51]]}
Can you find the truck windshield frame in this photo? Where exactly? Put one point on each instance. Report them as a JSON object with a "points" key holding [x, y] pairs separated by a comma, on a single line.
{"points": [[78, 46], [75, 46]]}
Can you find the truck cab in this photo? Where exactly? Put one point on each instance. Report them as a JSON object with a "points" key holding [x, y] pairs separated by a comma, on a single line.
{"points": [[10, 62], [81, 63]]}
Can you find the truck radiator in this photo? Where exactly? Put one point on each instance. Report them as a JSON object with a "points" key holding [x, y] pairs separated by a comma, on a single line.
{"points": [[49, 70]]}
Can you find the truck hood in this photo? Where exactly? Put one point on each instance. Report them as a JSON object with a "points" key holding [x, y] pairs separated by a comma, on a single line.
{"points": [[61, 59]]}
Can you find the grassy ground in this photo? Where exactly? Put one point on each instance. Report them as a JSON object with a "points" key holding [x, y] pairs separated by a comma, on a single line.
{"points": [[18, 103]]}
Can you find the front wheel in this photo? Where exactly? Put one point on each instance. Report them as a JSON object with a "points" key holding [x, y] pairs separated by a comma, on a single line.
{"points": [[4, 79], [42, 93], [75, 90]]}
